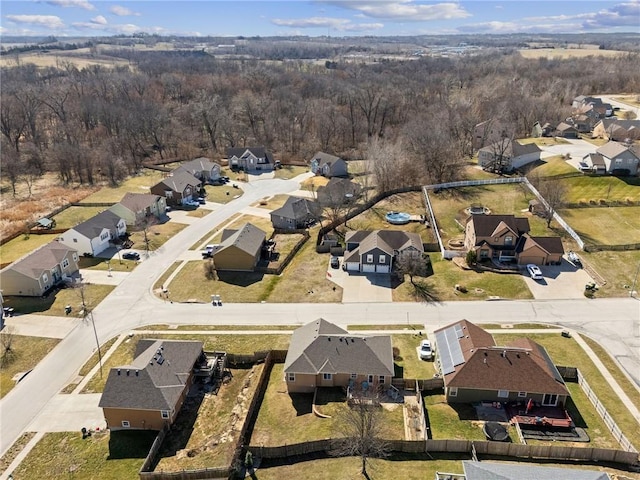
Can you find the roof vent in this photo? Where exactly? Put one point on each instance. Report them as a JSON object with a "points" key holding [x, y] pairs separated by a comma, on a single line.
{"points": [[118, 371], [504, 354], [127, 372], [137, 372], [485, 360]]}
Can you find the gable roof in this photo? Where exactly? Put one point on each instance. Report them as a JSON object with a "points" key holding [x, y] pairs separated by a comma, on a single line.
{"points": [[249, 238], [178, 180], [322, 347], [563, 127], [298, 208], [511, 471], [201, 164], [597, 160], [486, 225], [552, 245], [389, 241], [92, 227], [41, 260], [521, 366], [511, 148], [325, 158], [241, 152], [337, 189], [137, 202], [613, 149], [156, 377]]}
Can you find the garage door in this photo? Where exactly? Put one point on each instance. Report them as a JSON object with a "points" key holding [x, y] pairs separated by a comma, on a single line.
{"points": [[353, 266], [382, 269], [531, 259], [368, 268]]}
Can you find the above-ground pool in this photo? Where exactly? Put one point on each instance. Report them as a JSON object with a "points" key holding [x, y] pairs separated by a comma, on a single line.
{"points": [[397, 218]]}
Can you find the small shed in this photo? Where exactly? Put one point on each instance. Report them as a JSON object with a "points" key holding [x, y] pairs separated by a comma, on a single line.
{"points": [[45, 224]]}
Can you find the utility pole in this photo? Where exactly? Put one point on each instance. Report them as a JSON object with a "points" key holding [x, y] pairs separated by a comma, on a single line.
{"points": [[87, 315], [632, 293]]}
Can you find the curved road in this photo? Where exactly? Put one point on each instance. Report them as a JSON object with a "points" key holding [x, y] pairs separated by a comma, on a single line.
{"points": [[614, 322]]}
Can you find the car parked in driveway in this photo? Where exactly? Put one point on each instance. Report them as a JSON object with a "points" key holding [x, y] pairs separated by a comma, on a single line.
{"points": [[534, 271], [426, 352], [335, 262], [131, 256]]}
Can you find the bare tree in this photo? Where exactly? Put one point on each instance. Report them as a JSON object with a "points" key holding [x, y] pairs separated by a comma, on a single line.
{"points": [[413, 264], [144, 225], [6, 343], [555, 193], [210, 272]]}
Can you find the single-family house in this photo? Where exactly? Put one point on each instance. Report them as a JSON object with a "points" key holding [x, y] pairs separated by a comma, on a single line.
{"points": [[296, 213], [147, 394], [328, 165], [475, 369], [239, 250], [595, 163], [584, 104], [95, 235], [488, 132], [179, 187], [485, 470], [39, 271], [583, 123], [565, 130], [617, 130], [338, 191], [322, 354], [375, 251], [506, 238], [506, 155], [619, 159], [250, 159], [135, 207], [202, 168]]}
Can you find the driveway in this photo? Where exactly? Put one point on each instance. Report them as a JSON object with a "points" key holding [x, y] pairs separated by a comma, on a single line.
{"points": [[69, 413], [102, 277], [577, 149], [361, 287], [559, 282]]}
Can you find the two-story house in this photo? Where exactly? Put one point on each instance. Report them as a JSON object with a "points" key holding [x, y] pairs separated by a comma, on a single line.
{"points": [[506, 155], [375, 251], [202, 168], [95, 235], [506, 238], [179, 187], [619, 159], [135, 207], [328, 165], [250, 159]]}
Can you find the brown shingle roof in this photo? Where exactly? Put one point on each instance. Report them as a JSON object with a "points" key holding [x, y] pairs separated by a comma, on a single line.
{"points": [[249, 238], [41, 260], [179, 180], [485, 225], [136, 202]]}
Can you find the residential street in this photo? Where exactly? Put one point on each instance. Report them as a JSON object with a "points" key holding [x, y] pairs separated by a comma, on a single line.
{"points": [[614, 322]]}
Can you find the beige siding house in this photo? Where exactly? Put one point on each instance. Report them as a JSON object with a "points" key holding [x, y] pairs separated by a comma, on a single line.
{"points": [[135, 207], [322, 354], [39, 271], [240, 249]]}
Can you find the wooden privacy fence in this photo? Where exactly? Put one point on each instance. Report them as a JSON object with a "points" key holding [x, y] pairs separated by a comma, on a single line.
{"points": [[205, 473], [331, 445], [427, 384]]}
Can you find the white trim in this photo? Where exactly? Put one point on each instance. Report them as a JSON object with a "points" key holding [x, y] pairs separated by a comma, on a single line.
{"points": [[291, 377], [503, 393], [125, 424], [164, 413], [453, 391], [522, 394]]}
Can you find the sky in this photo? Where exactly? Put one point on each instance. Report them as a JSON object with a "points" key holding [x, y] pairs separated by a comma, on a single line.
{"points": [[315, 17]]}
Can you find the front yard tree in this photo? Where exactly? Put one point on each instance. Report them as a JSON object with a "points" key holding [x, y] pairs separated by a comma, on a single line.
{"points": [[144, 225], [6, 343], [413, 265], [554, 192]]}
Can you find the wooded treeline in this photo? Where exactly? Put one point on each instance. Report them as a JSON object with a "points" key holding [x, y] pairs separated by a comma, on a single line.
{"points": [[100, 124]]}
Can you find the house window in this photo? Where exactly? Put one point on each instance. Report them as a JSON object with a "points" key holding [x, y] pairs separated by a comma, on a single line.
{"points": [[168, 194], [104, 236], [382, 258], [453, 392], [75, 240], [381, 379], [369, 258], [354, 376], [503, 393], [125, 424], [291, 377], [550, 399], [65, 263], [75, 257], [164, 413], [508, 240], [326, 376], [522, 394]]}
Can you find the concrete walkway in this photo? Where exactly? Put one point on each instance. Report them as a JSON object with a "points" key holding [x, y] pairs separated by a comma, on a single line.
{"points": [[102, 277]]}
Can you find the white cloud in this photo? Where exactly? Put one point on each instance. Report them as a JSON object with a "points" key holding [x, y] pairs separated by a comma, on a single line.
{"points": [[99, 20], [71, 3], [341, 24], [46, 21], [121, 11], [619, 15], [115, 29], [403, 10]]}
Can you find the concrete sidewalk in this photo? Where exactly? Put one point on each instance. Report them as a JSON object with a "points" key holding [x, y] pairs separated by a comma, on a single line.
{"points": [[48, 326]]}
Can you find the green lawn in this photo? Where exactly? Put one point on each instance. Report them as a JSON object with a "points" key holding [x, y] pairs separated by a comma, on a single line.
{"points": [[453, 421], [102, 264], [606, 225], [586, 189], [104, 456], [290, 171], [407, 363], [73, 216], [54, 303], [480, 285], [157, 235], [618, 268], [222, 193], [140, 183], [554, 166], [286, 418], [22, 245], [25, 354]]}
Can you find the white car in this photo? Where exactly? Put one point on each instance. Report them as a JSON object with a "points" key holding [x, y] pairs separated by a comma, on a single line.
{"points": [[426, 352], [534, 271]]}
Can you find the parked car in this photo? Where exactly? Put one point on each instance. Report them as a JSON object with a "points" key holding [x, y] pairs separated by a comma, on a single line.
{"points": [[190, 203], [201, 201], [574, 258], [131, 256], [534, 271], [208, 251], [335, 262], [426, 352]]}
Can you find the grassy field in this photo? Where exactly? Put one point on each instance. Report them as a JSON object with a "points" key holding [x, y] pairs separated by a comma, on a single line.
{"points": [[453, 421], [272, 203], [104, 456], [288, 172], [286, 328], [199, 213], [480, 285], [407, 363], [209, 431], [565, 351], [618, 269], [102, 264], [208, 237], [563, 53], [605, 226], [313, 183], [25, 354], [586, 189], [412, 328], [157, 235], [543, 141], [140, 183], [72, 216], [287, 418], [222, 193], [554, 166], [60, 58], [240, 344], [262, 223], [165, 275], [22, 245], [54, 304]]}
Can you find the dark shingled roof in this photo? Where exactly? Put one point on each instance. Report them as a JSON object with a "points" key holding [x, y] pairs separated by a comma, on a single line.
{"points": [[179, 180], [322, 347], [93, 227], [298, 209], [510, 471], [156, 377], [389, 241], [197, 165], [259, 152], [324, 158], [249, 238], [549, 244], [485, 225], [41, 260]]}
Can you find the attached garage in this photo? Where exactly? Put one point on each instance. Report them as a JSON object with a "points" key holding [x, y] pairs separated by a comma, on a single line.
{"points": [[352, 266], [382, 269], [368, 268]]}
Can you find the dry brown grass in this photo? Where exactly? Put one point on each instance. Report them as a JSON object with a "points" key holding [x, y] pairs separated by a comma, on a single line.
{"points": [[569, 53]]}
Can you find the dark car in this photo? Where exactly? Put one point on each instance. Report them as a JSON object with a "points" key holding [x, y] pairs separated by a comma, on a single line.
{"points": [[335, 262], [131, 256]]}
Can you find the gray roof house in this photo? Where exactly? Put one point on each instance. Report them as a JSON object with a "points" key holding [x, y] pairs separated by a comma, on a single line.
{"points": [[322, 354], [239, 250], [202, 168], [96, 234], [512, 471], [135, 207], [40, 270], [506, 155], [149, 392], [178, 187], [328, 165], [375, 251], [296, 213], [617, 129], [250, 159], [619, 159], [338, 191]]}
